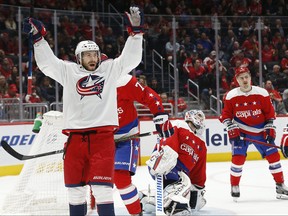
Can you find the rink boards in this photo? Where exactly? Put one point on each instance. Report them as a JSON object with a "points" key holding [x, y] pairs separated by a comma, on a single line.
{"points": [[21, 137]]}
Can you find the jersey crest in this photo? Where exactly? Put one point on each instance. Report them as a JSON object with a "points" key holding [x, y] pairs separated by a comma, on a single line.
{"points": [[90, 85]]}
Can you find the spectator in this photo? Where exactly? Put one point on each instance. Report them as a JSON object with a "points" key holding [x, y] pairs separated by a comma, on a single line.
{"points": [[12, 92], [142, 80], [47, 90], [10, 23], [155, 86], [34, 97], [181, 104], [169, 48], [275, 98], [3, 86], [6, 68], [278, 78], [206, 43], [196, 70], [284, 63], [168, 107], [285, 99]]}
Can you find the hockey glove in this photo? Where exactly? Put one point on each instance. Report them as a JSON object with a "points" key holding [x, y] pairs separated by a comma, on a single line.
{"points": [[233, 133], [36, 27], [134, 21], [163, 161], [163, 125], [284, 143], [269, 132]]}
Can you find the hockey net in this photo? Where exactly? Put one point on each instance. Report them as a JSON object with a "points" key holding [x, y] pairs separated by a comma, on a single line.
{"points": [[40, 188]]}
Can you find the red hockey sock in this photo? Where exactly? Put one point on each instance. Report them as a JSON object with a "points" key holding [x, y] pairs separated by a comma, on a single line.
{"points": [[275, 167], [128, 191], [236, 169]]}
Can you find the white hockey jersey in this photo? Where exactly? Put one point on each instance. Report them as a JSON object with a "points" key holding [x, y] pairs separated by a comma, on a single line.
{"points": [[89, 99]]}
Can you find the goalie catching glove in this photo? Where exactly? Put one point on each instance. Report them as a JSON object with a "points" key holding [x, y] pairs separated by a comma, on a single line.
{"points": [[163, 125], [36, 27], [134, 21], [284, 142], [163, 161]]}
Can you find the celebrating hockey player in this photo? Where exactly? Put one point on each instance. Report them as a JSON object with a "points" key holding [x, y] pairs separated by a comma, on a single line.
{"points": [[181, 158], [249, 113], [130, 90], [89, 110]]}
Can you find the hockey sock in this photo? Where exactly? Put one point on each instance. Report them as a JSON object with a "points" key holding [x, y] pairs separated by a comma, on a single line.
{"points": [[128, 191], [105, 209], [236, 169], [275, 167], [78, 210]]}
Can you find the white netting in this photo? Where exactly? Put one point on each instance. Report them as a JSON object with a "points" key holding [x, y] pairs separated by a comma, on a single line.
{"points": [[40, 189]]}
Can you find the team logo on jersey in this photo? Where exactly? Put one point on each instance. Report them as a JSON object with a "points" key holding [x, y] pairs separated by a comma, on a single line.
{"points": [[90, 85]]}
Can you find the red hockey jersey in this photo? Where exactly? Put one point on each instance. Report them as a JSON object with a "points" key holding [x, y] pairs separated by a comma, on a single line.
{"points": [[250, 110], [130, 90]]}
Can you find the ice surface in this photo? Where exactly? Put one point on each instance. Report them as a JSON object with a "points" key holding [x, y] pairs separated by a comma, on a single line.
{"points": [[257, 187]]}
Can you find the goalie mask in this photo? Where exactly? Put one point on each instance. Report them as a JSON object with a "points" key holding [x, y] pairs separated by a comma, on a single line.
{"points": [[85, 46], [196, 117]]}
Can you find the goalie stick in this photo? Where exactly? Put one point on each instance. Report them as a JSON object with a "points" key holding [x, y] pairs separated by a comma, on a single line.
{"points": [[19, 156], [159, 189]]}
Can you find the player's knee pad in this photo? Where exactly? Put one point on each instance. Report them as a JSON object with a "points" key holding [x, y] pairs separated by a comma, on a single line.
{"points": [[197, 200], [102, 193], [122, 178], [77, 195]]}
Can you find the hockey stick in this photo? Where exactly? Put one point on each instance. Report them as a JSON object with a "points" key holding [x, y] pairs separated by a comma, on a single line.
{"points": [[259, 142], [30, 53], [19, 156], [159, 189]]}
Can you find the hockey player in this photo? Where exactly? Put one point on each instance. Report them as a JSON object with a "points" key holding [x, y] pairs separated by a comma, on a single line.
{"points": [[284, 142], [248, 112], [129, 90], [181, 158], [89, 110]]}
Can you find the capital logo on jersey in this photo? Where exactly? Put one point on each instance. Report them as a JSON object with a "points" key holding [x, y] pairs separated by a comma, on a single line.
{"points": [[90, 85]]}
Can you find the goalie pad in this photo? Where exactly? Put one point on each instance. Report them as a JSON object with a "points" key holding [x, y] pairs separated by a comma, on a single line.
{"points": [[147, 199], [197, 200], [177, 196], [163, 161]]}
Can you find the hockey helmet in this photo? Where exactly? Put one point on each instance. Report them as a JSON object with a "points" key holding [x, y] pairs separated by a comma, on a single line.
{"points": [[196, 117], [241, 70], [84, 46]]}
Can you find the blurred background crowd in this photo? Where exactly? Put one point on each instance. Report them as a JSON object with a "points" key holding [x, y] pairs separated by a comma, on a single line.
{"points": [[193, 41]]}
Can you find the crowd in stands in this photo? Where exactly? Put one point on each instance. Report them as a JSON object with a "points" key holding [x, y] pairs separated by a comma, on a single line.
{"points": [[195, 44]]}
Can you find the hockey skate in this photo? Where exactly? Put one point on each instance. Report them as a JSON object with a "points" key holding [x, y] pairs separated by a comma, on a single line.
{"points": [[235, 192], [281, 191]]}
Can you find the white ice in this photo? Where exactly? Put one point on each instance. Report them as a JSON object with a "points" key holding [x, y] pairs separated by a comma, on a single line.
{"points": [[257, 187]]}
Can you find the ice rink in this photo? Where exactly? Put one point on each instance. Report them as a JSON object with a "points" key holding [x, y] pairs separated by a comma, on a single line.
{"points": [[257, 187]]}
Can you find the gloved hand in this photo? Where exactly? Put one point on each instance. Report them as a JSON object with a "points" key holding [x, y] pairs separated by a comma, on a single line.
{"points": [[233, 133], [134, 21], [163, 161], [269, 132], [284, 142], [36, 27], [163, 125]]}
